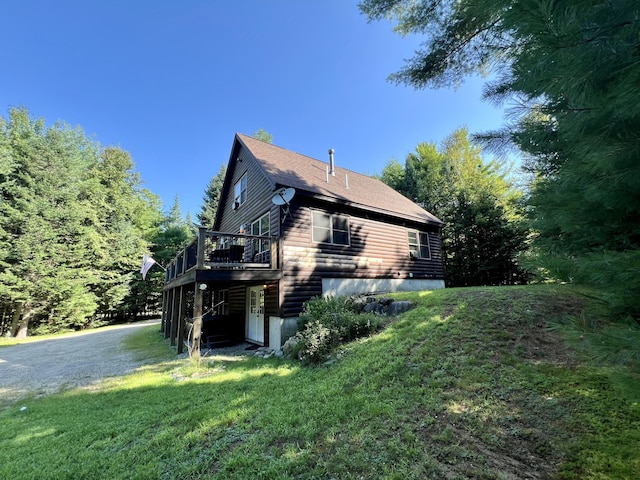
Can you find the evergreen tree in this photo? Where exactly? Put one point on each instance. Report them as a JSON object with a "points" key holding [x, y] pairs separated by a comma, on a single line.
{"points": [[482, 234], [572, 69], [43, 217], [70, 225], [175, 232], [211, 199], [263, 136], [129, 220], [393, 175]]}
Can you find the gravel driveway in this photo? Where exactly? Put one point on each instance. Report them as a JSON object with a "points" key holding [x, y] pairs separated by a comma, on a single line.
{"points": [[80, 359]]}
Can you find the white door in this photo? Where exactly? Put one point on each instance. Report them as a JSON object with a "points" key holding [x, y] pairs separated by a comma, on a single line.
{"points": [[255, 314]]}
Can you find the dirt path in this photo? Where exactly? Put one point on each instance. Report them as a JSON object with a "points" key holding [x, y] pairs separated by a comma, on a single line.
{"points": [[46, 366]]}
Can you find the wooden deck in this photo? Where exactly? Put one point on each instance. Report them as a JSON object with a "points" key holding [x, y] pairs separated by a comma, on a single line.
{"points": [[213, 260], [224, 257]]}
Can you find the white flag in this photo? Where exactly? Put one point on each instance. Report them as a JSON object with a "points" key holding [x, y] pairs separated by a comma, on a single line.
{"points": [[147, 263]]}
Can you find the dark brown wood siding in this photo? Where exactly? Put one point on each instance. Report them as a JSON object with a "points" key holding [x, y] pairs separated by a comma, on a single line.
{"points": [[271, 303], [259, 194], [378, 246], [237, 309], [378, 249], [237, 300]]}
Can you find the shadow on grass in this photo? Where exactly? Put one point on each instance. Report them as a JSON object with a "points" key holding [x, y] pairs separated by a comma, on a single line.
{"points": [[446, 391]]}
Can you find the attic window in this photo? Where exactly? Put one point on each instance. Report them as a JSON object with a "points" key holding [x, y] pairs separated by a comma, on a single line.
{"points": [[328, 228], [419, 246], [240, 192]]}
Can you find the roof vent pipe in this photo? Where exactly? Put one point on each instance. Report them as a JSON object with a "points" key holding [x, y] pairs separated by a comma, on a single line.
{"points": [[332, 166]]}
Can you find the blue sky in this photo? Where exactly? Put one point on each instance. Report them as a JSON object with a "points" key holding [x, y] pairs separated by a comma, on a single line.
{"points": [[172, 81]]}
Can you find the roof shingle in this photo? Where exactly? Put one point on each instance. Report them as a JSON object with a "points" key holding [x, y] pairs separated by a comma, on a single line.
{"points": [[289, 169]]}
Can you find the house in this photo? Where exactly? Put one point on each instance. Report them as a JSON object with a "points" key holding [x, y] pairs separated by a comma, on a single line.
{"points": [[288, 228]]}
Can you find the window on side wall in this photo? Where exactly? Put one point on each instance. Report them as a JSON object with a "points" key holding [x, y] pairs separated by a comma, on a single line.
{"points": [[329, 228], [240, 191], [419, 246]]}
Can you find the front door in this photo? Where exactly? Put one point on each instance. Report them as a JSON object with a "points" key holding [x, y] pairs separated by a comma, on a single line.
{"points": [[255, 314]]}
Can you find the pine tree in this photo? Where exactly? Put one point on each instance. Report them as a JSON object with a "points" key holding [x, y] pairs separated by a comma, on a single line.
{"points": [[572, 70], [211, 199], [175, 232], [263, 136], [70, 225], [45, 222], [482, 234], [128, 218]]}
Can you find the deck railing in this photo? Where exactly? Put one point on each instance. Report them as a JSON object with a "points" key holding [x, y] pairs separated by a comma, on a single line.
{"points": [[223, 250]]}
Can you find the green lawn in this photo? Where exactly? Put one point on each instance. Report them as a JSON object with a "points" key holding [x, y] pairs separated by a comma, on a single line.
{"points": [[470, 384]]}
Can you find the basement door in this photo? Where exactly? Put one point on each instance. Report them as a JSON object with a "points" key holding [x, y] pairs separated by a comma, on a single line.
{"points": [[255, 314]]}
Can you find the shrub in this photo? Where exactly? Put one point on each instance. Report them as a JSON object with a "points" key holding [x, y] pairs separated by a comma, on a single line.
{"points": [[326, 309], [316, 341], [326, 322]]}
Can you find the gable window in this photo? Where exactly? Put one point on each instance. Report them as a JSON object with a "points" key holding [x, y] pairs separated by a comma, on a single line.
{"points": [[419, 244], [261, 246], [329, 228], [240, 191]]}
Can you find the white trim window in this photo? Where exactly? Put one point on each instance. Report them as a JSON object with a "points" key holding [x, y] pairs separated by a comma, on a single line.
{"points": [[329, 228], [261, 227], [240, 191], [419, 246]]}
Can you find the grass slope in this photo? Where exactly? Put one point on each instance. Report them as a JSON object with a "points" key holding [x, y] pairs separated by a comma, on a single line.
{"points": [[470, 384]]}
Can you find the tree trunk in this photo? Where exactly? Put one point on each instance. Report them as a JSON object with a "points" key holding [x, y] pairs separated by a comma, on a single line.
{"points": [[5, 330], [197, 322], [20, 322]]}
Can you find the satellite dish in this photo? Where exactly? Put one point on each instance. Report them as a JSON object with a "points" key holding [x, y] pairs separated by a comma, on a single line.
{"points": [[283, 196]]}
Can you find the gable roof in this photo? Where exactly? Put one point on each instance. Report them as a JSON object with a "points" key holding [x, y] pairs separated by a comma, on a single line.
{"points": [[285, 168]]}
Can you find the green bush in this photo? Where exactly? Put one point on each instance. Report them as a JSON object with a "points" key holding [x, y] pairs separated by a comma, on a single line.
{"points": [[325, 309], [361, 325], [326, 322], [316, 341]]}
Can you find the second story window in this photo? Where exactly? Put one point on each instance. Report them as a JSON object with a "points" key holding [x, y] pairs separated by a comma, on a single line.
{"points": [[261, 246], [419, 244], [240, 192], [329, 228]]}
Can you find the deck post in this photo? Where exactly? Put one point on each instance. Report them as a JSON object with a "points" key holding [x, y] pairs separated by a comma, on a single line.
{"points": [[165, 310], [202, 235], [169, 315], [181, 311], [174, 318], [197, 320]]}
